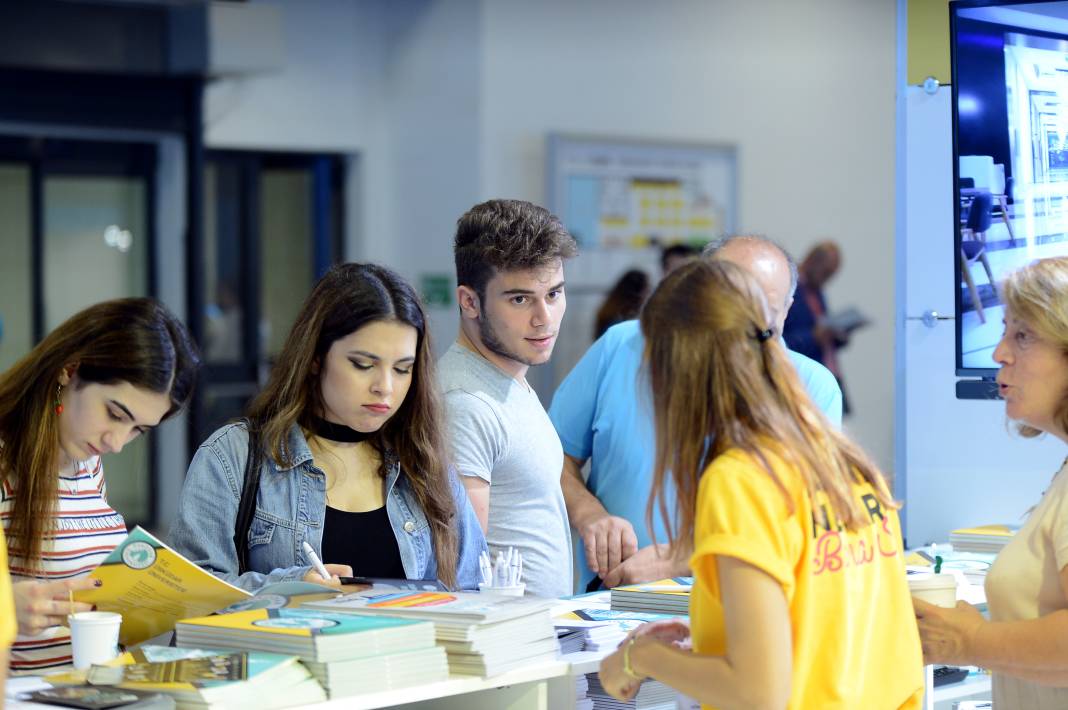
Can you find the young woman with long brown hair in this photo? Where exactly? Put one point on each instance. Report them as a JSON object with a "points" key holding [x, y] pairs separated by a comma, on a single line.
{"points": [[105, 376], [352, 462], [799, 597]]}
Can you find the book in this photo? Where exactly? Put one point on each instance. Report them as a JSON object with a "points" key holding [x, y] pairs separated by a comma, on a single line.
{"points": [[665, 596], [482, 634], [601, 629], [309, 634], [462, 608], [982, 538], [381, 672], [93, 697], [270, 680], [652, 695], [153, 586], [845, 321]]}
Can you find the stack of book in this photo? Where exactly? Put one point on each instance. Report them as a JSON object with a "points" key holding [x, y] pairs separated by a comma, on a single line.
{"points": [[601, 629], [570, 640], [666, 596], [652, 695], [582, 689], [984, 538], [483, 634], [346, 654], [206, 678]]}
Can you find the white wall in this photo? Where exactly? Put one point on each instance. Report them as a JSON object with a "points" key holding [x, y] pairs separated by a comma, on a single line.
{"points": [[804, 89], [395, 84], [323, 94], [432, 97], [963, 463]]}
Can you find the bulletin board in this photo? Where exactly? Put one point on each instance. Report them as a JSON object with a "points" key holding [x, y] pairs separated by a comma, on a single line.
{"points": [[635, 194]]}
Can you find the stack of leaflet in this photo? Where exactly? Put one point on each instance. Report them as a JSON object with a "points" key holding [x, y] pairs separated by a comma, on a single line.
{"points": [[206, 678], [985, 538], [346, 654], [483, 634], [602, 629], [666, 596], [652, 695], [582, 688], [570, 640]]}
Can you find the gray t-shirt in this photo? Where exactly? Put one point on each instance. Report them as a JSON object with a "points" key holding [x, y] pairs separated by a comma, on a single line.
{"points": [[499, 431]]}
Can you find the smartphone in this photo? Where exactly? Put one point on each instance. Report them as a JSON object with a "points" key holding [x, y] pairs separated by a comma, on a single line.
{"points": [[383, 583]]}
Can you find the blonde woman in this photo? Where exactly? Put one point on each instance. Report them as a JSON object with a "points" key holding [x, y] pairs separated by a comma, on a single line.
{"points": [[1025, 643], [799, 596]]}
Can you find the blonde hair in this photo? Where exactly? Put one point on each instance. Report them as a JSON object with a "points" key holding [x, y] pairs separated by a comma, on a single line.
{"points": [[1037, 294], [721, 381]]}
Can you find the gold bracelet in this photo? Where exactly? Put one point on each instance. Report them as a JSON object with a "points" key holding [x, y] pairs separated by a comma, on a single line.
{"points": [[626, 662]]}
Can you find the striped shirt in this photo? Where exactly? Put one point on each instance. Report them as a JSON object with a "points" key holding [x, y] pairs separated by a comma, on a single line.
{"points": [[86, 530]]}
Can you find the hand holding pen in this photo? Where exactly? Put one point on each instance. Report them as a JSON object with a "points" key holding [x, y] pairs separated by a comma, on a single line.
{"points": [[324, 574]]}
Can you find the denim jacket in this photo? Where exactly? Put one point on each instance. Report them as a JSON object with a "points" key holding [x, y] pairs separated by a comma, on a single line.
{"points": [[290, 509]]}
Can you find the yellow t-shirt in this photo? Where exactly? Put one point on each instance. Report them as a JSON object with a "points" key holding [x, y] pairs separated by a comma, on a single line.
{"points": [[855, 642], [8, 626]]}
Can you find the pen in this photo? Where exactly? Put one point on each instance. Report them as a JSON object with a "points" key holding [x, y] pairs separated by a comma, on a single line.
{"points": [[316, 562]]}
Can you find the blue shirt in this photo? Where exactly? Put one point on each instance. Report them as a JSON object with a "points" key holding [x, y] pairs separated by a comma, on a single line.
{"points": [[602, 411]]}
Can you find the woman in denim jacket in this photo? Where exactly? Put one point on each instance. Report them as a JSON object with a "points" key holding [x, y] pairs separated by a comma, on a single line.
{"points": [[352, 452]]}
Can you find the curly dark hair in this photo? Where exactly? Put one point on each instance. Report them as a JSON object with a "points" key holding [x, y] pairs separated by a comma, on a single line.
{"points": [[507, 235]]}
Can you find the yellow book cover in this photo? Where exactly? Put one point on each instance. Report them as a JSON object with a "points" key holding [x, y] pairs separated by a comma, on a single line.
{"points": [[153, 586], [993, 530], [673, 585]]}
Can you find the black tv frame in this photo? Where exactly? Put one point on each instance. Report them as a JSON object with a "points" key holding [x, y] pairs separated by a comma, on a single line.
{"points": [[981, 383]]}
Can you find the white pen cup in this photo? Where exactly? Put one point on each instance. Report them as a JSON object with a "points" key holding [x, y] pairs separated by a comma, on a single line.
{"points": [[94, 637], [515, 590]]}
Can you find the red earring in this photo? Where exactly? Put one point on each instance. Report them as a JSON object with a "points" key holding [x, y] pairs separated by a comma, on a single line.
{"points": [[59, 403]]}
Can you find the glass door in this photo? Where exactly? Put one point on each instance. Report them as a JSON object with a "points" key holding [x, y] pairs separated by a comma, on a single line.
{"points": [[272, 226], [75, 229]]}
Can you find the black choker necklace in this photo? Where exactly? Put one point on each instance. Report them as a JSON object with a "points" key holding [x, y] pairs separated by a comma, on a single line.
{"points": [[336, 432]]}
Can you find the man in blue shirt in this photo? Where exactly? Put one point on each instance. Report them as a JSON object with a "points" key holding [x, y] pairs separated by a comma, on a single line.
{"points": [[603, 413]]}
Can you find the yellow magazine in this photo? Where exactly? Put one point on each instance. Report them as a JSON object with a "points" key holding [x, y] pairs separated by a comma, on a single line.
{"points": [[673, 586], [994, 530], [153, 586]]}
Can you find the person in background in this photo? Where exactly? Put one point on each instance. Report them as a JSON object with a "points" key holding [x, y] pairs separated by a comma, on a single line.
{"points": [[1025, 641], [350, 459], [623, 302], [674, 256], [105, 376], [510, 273], [602, 414], [799, 596], [805, 331]]}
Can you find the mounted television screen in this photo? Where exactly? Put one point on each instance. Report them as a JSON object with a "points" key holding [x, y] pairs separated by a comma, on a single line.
{"points": [[1010, 150]]}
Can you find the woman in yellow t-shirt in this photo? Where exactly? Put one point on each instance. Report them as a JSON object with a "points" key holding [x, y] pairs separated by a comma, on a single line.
{"points": [[799, 597]]}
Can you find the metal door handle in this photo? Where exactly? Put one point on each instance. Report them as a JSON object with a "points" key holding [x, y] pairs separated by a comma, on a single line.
{"points": [[930, 318]]}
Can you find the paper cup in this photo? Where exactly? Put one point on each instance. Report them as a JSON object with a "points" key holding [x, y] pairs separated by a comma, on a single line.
{"points": [[94, 637], [513, 591], [937, 589]]}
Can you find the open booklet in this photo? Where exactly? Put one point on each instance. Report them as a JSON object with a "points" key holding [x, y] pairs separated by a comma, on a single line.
{"points": [[845, 321], [153, 587]]}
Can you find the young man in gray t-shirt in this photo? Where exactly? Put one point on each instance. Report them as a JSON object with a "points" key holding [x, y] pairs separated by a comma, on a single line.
{"points": [[510, 270]]}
